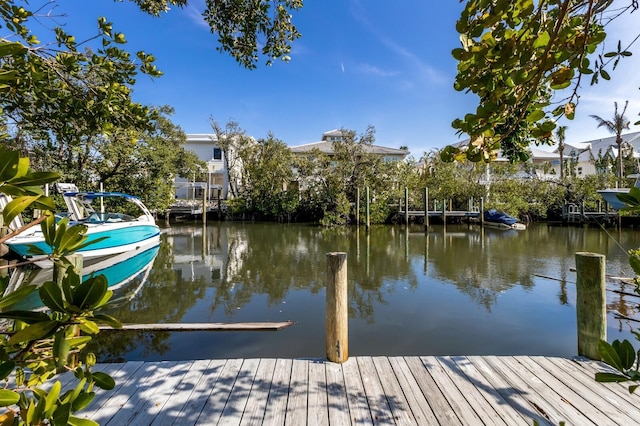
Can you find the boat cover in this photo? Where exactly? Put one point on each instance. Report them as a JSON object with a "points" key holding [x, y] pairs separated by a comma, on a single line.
{"points": [[492, 215]]}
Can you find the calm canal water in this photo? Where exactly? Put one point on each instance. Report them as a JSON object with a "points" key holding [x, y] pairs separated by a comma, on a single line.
{"points": [[455, 291]]}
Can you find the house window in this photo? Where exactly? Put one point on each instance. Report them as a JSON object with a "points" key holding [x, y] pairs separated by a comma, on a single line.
{"points": [[579, 171], [217, 154]]}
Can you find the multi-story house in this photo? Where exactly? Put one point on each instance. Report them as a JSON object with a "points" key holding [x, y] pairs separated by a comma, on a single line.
{"points": [[205, 146], [585, 158]]}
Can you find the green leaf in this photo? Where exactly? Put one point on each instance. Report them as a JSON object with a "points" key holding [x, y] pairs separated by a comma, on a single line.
{"points": [[52, 296], [535, 115], [627, 354], [52, 396], [9, 165], [103, 380], [77, 421], [108, 320], [610, 377], [542, 40], [11, 48], [8, 397], [609, 355], [89, 327], [605, 74], [61, 416], [16, 296], [61, 349], [6, 368], [90, 292], [35, 331], [82, 401], [74, 342], [28, 317], [17, 206]]}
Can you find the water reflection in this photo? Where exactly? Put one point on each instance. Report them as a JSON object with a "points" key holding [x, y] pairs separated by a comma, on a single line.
{"points": [[125, 273], [455, 290]]}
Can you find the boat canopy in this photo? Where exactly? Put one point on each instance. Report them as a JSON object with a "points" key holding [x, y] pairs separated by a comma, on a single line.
{"points": [[93, 195]]}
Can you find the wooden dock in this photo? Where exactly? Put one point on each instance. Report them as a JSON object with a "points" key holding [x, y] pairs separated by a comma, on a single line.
{"points": [[410, 390]]}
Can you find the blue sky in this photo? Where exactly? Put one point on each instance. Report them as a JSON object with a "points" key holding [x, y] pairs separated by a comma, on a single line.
{"points": [[358, 63]]}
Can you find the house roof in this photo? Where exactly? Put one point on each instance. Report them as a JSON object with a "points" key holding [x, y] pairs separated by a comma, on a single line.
{"points": [[201, 138], [326, 147], [603, 146]]}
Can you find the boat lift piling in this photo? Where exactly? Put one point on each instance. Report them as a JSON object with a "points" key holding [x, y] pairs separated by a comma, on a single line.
{"points": [[591, 303]]}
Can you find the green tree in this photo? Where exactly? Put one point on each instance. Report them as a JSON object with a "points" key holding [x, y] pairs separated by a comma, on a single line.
{"points": [[616, 125], [329, 182], [233, 141], [516, 54], [269, 172]]}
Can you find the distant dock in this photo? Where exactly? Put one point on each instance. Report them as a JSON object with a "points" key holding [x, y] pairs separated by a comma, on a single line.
{"points": [[409, 390]]}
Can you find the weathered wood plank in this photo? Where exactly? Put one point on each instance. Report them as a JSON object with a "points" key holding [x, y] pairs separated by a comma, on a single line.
{"points": [[468, 391], [473, 377], [254, 413], [564, 393], [536, 393], [442, 409], [197, 389], [418, 404], [205, 326], [364, 390], [217, 399], [612, 395], [235, 406], [318, 409], [378, 404], [359, 412], [336, 395], [138, 401], [513, 397], [398, 404], [183, 391], [276, 410], [151, 404], [297, 401], [453, 395], [591, 390], [106, 407]]}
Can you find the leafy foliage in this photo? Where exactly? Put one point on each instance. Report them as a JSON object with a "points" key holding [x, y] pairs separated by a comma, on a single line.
{"points": [[35, 346], [621, 355], [514, 56]]}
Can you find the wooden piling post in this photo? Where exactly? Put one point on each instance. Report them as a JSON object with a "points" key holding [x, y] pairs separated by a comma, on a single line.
{"points": [[426, 208], [368, 219], [591, 307], [444, 211], [406, 206], [219, 203], [337, 332], [77, 263], [204, 207], [358, 206], [481, 213]]}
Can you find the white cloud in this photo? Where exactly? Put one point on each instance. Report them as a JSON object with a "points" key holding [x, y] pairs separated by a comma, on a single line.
{"points": [[373, 70]]}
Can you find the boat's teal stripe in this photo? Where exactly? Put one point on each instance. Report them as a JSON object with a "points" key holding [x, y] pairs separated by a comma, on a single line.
{"points": [[116, 238]]}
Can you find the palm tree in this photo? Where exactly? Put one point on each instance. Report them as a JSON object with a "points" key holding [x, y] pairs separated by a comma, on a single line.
{"points": [[560, 136], [616, 125]]}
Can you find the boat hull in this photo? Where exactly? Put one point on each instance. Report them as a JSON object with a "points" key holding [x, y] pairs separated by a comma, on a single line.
{"points": [[611, 197], [120, 237]]}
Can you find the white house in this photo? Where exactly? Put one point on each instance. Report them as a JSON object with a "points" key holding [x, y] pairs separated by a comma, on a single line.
{"points": [[585, 154], [205, 146]]}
